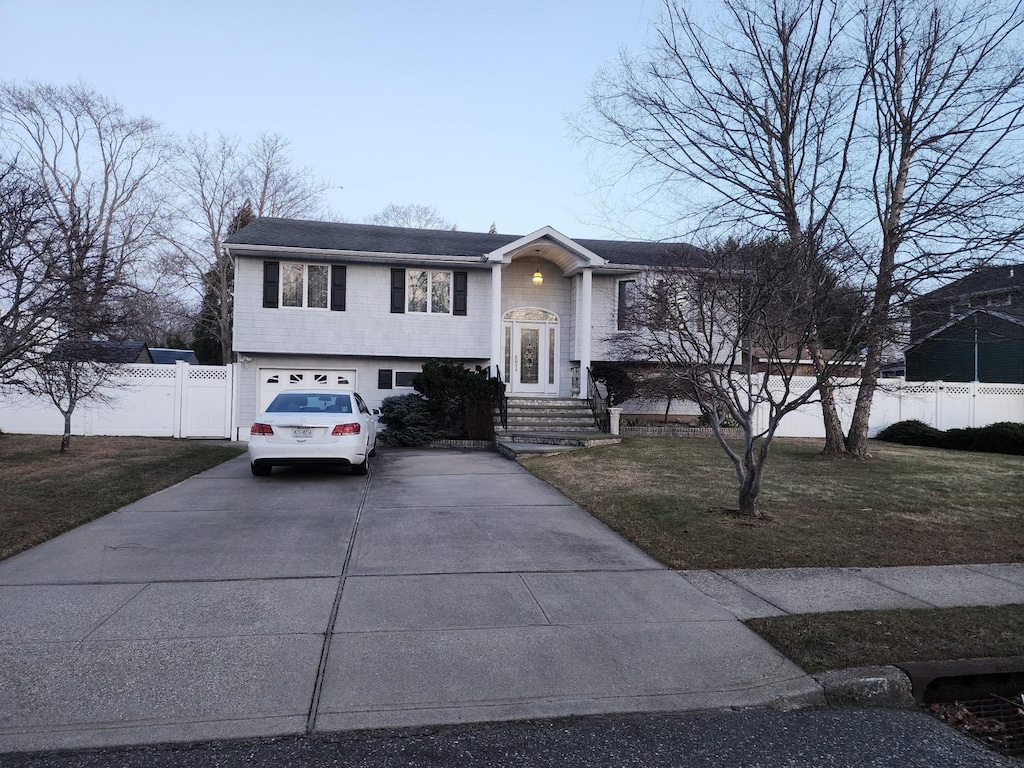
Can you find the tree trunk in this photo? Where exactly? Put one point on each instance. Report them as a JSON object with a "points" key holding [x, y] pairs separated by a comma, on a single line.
{"points": [[857, 440], [835, 444], [748, 503], [65, 440], [750, 482]]}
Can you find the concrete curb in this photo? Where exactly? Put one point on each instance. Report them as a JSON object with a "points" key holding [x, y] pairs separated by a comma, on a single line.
{"points": [[867, 687]]}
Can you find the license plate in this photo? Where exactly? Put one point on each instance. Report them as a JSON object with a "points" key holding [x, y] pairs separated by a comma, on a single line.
{"points": [[302, 432]]}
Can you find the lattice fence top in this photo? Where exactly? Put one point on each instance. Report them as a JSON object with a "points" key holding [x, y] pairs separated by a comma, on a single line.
{"points": [[957, 390], [1001, 389], [209, 374], [163, 372]]}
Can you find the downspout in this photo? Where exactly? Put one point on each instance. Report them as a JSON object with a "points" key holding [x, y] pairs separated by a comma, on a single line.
{"points": [[975, 347]]}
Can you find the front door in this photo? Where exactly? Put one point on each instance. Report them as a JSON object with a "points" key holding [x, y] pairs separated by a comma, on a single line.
{"points": [[531, 352], [530, 358]]}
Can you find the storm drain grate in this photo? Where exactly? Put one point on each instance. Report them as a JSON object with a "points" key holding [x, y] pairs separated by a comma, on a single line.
{"points": [[997, 721]]}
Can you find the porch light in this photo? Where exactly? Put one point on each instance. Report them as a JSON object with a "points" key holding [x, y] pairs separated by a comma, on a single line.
{"points": [[538, 278]]}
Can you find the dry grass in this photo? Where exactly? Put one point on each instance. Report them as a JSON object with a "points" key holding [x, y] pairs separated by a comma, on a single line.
{"points": [[46, 493], [824, 641], [904, 506]]}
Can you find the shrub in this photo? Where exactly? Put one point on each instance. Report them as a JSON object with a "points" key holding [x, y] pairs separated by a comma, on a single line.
{"points": [[1001, 437], [725, 420], [460, 401], [617, 379], [912, 432], [407, 420]]}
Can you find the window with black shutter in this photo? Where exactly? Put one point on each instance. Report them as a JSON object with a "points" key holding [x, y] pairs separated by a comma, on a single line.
{"points": [[384, 378]]}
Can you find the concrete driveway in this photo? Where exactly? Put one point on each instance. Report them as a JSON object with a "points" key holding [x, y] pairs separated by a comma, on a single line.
{"points": [[447, 587]]}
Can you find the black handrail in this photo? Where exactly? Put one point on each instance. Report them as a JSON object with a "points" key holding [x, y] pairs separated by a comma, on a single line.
{"points": [[598, 403], [503, 403]]}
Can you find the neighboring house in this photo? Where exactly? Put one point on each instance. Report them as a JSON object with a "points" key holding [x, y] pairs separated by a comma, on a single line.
{"points": [[164, 356], [114, 352], [970, 330], [329, 304]]}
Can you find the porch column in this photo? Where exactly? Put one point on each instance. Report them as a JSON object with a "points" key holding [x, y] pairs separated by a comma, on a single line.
{"points": [[496, 318], [586, 323]]}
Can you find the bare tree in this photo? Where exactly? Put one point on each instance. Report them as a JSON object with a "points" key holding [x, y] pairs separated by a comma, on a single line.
{"points": [[28, 295], [413, 215], [892, 127], [74, 371], [758, 116], [97, 169], [221, 185], [944, 135], [729, 334]]}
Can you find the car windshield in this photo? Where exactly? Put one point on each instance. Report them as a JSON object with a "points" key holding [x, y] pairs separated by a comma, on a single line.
{"points": [[290, 402]]}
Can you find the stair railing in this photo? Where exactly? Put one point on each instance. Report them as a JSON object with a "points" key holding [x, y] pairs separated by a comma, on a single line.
{"points": [[503, 402], [598, 403]]}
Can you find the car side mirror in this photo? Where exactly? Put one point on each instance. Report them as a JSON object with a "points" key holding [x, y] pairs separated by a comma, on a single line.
{"points": [[375, 411]]}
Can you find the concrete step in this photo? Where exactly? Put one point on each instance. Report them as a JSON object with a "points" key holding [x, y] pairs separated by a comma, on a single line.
{"points": [[543, 426], [585, 420], [553, 402], [518, 409], [515, 450], [580, 438], [513, 446]]}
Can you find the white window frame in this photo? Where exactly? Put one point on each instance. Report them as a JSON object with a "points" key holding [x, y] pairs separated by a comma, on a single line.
{"points": [[305, 286], [430, 292]]}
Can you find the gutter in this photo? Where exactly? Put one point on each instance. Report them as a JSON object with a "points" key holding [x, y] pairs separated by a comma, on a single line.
{"points": [[241, 249]]}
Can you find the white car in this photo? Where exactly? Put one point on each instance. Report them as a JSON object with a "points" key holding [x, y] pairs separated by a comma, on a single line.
{"points": [[313, 427]]}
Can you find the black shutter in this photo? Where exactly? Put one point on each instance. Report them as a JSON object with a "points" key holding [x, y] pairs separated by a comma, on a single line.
{"points": [[271, 283], [461, 291], [398, 290], [384, 378], [623, 309], [337, 288]]}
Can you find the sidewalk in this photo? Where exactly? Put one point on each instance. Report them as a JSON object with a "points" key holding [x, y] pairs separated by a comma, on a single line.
{"points": [[751, 594]]}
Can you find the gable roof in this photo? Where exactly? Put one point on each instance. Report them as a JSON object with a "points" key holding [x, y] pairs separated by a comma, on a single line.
{"points": [[267, 232], [983, 280], [114, 352], [958, 320], [165, 356]]}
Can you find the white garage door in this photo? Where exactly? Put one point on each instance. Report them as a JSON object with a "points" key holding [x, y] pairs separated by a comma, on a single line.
{"points": [[274, 380]]}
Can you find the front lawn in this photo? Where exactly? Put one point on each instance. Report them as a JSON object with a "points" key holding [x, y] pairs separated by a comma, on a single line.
{"points": [[45, 493], [822, 641], [674, 497]]}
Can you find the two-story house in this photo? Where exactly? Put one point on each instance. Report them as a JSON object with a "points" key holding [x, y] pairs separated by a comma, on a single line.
{"points": [[329, 304], [970, 330]]}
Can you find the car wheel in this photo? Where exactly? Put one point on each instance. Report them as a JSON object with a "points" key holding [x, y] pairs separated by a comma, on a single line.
{"points": [[260, 470], [360, 469], [373, 451]]}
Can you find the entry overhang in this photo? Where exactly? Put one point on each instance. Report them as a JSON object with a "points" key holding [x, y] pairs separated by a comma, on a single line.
{"points": [[549, 245]]}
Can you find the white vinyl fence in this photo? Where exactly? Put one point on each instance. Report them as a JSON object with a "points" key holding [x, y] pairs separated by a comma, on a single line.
{"points": [[943, 405], [178, 400]]}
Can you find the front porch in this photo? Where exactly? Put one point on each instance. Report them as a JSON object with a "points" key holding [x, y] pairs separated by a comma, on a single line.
{"points": [[542, 314]]}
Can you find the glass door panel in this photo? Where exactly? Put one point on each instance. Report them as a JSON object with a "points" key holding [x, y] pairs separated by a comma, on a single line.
{"points": [[529, 354]]}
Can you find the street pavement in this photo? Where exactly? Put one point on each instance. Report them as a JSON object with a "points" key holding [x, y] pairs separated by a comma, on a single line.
{"points": [[449, 587], [752, 738]]}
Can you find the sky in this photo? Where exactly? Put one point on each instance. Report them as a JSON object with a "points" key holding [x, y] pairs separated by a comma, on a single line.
{"points": [[457, 104]]}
